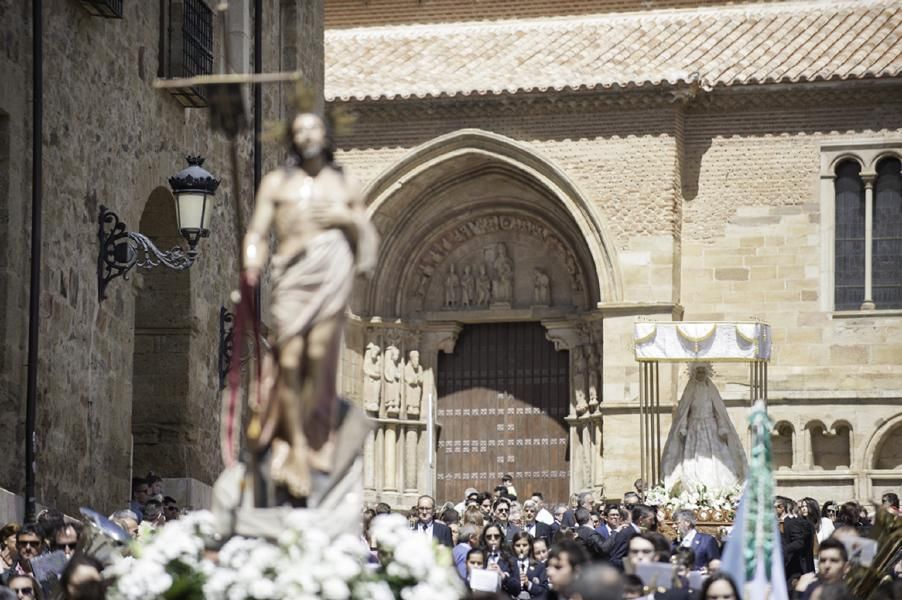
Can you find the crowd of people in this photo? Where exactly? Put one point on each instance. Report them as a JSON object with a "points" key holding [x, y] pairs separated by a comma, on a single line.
{"points": [[38, 560], [591, 550], [506, 548]]}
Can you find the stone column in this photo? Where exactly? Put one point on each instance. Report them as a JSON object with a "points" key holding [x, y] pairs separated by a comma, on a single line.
{"points": [[389, 464], [436, 336], [868, 303], [369, 461], [410, 459], [807, 449], [598, 454], [379, 457]]}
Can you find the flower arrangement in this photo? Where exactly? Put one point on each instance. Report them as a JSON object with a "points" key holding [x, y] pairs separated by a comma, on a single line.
{"points": [[708, 505], [304, 563]]}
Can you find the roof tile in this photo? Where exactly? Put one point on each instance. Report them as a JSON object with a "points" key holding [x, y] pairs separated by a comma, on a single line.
{"points": [[796, 41]]}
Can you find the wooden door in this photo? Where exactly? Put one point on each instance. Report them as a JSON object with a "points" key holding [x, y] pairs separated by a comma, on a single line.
{"points": [[503, 396]]}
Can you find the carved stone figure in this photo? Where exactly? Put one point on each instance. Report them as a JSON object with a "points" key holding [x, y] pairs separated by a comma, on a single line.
{"points": [[483, 287], [372, 377], [542, 288], [594, 367], [413, 379], [323, 240], [391, 372], [702, 448], [452, 287], [467, 287], [579, 381], [502, 284]]}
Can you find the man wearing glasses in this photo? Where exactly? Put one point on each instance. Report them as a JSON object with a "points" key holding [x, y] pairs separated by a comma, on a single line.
{"points": [[613, 521], [170, 508], [29, 545], [501, 510], [65, 538], [426, 522]]}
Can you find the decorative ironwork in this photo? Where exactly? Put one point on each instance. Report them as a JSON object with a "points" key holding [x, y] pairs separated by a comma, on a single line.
{"points": [[108, 9], [226, 329], [122, 250]]}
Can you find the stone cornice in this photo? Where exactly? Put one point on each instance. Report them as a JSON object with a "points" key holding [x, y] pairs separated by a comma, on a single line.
{"points": [[690, 96]]}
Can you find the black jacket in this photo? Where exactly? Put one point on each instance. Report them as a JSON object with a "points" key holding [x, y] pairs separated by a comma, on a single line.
{"points": [[798, 546]]}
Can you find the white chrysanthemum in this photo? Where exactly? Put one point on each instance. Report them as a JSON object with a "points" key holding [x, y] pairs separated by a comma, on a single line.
{"points": [[335, 588], [373, 590], [388, 530], [146, 579]]}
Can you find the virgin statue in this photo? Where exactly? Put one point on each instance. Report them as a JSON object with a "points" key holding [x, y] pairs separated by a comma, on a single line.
{"points": [[702, 448]]}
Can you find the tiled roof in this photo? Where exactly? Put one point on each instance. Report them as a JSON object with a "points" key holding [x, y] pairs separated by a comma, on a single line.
{"points": [[797, 41]]}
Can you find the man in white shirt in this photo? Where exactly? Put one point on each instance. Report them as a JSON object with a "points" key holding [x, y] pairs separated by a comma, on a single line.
{"points": [[543, 516]]}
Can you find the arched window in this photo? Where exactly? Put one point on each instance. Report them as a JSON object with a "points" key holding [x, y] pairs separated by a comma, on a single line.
{"points": [[781, 440], [887, 261], [849, 274]]}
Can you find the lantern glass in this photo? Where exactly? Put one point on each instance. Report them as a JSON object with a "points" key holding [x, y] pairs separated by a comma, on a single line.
{"points": [[194, 215]]}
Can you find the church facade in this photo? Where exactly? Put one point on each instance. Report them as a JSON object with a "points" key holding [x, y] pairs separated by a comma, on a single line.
{"points": [[544, 177]]}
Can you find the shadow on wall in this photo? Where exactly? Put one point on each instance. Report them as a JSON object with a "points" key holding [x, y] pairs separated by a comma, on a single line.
{"points": [[161, 367]]}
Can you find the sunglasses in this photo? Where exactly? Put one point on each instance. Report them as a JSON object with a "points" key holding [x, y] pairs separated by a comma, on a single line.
{"points": [[27, 543], [492, 536], [171, 508], [24, 591], [65, 546]]}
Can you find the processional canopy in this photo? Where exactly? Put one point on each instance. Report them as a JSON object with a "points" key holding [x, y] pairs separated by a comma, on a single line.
{"points": [[695, 341]]}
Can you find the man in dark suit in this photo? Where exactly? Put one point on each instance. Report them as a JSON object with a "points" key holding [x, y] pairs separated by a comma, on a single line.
{"points": [[426, 522], [612, 521], [501, 510], [704, 546], [797, 534], [642, 518], [536, 529], [588, 537]]}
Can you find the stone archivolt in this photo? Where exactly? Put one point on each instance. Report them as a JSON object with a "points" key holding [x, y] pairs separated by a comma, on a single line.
{"points": [[438, 251]]}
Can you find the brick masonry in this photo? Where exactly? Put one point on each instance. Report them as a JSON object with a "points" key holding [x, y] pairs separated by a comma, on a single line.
{"points": [[714, 205]]}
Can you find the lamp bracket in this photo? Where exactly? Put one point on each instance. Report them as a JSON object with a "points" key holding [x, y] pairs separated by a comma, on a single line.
{"points": [[122, 250], [226, 326]]}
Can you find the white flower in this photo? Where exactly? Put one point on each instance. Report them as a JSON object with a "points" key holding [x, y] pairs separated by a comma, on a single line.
{"points": [[335, 588]]}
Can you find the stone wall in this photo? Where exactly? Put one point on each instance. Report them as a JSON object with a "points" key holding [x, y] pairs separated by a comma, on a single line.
{"points": [[110, 138], [713, 205]]}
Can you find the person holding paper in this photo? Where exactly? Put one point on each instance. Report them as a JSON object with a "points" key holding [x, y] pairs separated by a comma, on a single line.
{"points": [[499, 559]]}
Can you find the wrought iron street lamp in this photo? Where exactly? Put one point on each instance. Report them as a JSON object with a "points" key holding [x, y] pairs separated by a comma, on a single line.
{"points": [[121, 250]]}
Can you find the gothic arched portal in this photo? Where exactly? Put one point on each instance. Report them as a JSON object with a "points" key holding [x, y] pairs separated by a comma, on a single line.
{"points": [[475, 229]]}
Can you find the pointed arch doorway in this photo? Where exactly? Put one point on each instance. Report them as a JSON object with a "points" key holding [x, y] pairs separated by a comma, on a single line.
{"points": [[502, 399]]}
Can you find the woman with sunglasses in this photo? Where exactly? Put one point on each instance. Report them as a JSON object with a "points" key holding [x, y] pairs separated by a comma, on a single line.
{"points": [[25, 586], [499, 559]]}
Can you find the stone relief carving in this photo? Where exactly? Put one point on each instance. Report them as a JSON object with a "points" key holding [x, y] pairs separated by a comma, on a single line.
{"points": [[483, 287], [372, 377], [452, 287], [502, 282], [392, 375], [437, 253], [413, 380], [467, 287], [541, 288], [594, 366], [579, 381]]}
